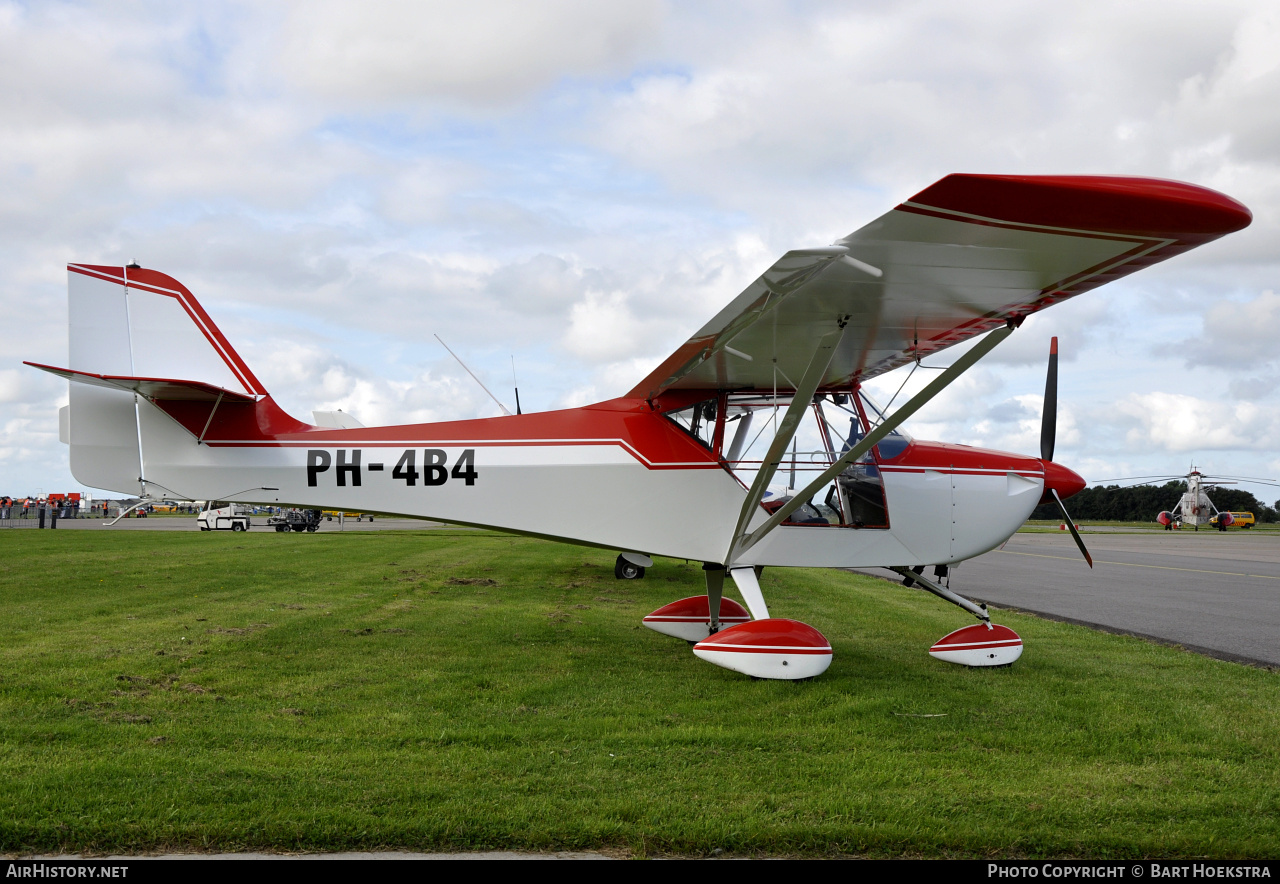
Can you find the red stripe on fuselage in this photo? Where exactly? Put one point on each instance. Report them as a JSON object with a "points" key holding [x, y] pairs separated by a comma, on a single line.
{"points": [[628, 423]]}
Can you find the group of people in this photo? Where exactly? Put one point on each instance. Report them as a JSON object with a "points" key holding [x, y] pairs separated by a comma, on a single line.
{"points": [[29, 507]]}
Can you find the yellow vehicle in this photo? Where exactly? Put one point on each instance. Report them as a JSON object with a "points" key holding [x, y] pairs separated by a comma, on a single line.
{"points": [[1238, 520], [330, 514]]}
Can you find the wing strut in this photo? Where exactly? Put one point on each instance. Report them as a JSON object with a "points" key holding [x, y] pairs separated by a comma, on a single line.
{"points": [[744, 542], [808, 384]]}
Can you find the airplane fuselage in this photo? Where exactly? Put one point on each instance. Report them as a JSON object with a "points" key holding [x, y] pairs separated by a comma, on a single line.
{"points": [[618, 475]]}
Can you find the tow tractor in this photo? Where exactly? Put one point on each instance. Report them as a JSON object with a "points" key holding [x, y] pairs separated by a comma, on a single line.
{"points": [[218, 515], [296, 520]]}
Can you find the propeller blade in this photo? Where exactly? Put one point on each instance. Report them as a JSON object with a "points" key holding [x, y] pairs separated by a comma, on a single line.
{"points": [[1049, 416], [1071, 526]]}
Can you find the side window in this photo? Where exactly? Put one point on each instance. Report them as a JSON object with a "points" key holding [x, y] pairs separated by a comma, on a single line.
{"points": [[698, 420], [831, 425]]}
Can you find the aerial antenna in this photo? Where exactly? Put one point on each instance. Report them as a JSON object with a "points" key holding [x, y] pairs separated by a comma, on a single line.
{"points": [[515, 383], [504, 408]]}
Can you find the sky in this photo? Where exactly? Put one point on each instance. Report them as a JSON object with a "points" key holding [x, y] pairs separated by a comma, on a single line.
{"points": [[578, 186]]}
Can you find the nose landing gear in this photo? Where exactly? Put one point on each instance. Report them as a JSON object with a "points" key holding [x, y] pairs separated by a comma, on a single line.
{"points": [[981, 644]]}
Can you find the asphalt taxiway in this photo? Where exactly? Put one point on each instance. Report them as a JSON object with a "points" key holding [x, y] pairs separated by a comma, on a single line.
{"points": [[1208, 591]]}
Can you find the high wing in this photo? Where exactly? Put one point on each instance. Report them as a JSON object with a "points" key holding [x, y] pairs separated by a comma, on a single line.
{"points": [[966, 255]]}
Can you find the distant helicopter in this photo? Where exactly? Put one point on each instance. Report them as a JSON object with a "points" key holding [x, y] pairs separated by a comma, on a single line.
{"points": [[1195, 508]]}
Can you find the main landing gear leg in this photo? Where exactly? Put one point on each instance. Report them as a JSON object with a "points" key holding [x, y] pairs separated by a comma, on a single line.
{"points": [[764, 647], [715, 591], [985, 644], [724, 633], [701, 616]]}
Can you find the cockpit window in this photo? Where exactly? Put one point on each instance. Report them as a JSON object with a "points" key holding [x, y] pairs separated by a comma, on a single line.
{"points": [[698, 420], [891, 445]]}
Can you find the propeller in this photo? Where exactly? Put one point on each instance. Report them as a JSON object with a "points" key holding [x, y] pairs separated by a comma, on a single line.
{"points": [[1049, 435], [1071, 526], [1049, 415]]}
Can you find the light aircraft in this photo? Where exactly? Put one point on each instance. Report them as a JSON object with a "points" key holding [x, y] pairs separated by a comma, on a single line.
{"points": [[161, 404]]}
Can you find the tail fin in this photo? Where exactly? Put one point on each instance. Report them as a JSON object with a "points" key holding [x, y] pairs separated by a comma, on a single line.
{"points": [[142, 323], [139, 332]]}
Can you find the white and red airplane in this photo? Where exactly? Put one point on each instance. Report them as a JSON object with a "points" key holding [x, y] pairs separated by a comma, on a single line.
{"points": [[162, 405]]}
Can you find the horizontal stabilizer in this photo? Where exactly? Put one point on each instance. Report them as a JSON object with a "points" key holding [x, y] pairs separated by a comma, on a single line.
{"points": [[162, 389]]}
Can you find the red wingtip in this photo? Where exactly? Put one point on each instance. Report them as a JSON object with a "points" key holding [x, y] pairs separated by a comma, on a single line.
{"points": [[1117, 204], [1053, 346]]}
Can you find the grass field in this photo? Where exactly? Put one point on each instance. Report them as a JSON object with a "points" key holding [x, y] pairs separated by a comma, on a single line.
{"points": [[448, 689]]}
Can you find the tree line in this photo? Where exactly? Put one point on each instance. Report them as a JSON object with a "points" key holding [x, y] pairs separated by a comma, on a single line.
{"points": [[1141, 503]]}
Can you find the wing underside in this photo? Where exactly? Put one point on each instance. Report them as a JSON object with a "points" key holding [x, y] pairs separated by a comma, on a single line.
{"points": [[966, 255]]}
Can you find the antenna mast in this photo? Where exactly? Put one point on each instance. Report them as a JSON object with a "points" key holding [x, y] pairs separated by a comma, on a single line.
{"points": [[504, 408], [515, 383]]}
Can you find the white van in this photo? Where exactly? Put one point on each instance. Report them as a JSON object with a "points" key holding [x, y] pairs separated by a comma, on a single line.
{"points": [[218, 515]]}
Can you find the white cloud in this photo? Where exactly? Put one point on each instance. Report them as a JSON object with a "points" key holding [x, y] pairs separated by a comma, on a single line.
{"points": [[1241, 334], [484, 51], [600, 326], [1176, 422], [27, 386]]}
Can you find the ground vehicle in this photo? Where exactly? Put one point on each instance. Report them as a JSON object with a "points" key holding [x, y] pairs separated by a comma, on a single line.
{"points": [[329, 515], [296, 520], [218, 515], [1237, 520]]}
